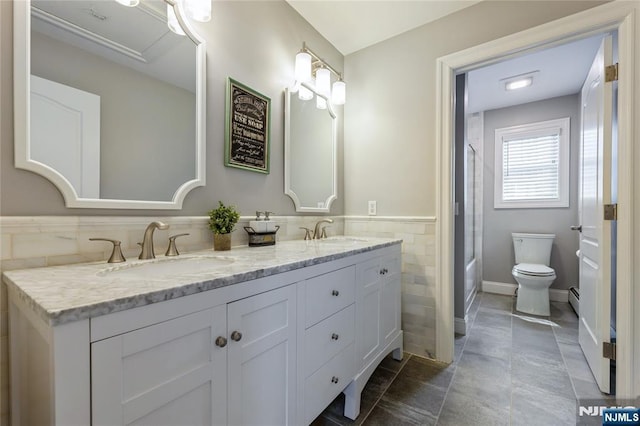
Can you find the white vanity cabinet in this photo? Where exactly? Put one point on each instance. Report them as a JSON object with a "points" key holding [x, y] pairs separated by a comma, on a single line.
{"points": [[273, 349], [185, 371]]}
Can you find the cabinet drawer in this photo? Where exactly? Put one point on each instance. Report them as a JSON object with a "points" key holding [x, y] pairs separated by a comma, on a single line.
{"points": [[328, 338], [321, 388], [327, 294]]}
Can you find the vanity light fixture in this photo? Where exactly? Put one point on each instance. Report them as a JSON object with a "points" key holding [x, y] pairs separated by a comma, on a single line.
{"points": [[519, 81], [306, 65], [198, 10]]}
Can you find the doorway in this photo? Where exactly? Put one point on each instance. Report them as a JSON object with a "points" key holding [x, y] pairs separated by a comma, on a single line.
{"points": [[604, 18]]}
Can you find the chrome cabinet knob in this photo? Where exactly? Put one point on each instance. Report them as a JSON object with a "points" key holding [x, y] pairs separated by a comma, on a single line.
{"points": [[334, 379], [236, 336], [334, 336], [335, 293], [221, 341]]}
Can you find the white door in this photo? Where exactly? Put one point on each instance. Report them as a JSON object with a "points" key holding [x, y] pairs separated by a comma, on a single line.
{"points": [[65, 133], [262, 359], [595, 237]]}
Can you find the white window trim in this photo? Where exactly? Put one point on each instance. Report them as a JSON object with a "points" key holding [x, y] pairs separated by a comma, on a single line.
{"points": [[561, 124]]}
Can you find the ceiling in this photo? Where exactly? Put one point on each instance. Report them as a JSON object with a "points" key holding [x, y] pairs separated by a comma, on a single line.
{"points": [[351, 25]]}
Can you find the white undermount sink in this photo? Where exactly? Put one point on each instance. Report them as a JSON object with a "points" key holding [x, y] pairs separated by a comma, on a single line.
{"points": [[167, 266]]}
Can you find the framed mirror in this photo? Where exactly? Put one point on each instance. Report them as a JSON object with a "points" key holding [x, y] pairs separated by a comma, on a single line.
{"points": [[109, 102], [310, 153]]}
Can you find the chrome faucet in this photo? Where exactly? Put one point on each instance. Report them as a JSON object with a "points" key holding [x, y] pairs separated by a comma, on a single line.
{"points": [[317, 234], [147, 243]]}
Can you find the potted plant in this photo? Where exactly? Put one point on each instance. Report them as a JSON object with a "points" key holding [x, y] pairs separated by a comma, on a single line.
{"points": [[222, 220]]}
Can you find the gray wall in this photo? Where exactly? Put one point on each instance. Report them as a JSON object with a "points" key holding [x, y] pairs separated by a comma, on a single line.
{"points": [[390, 154], [498, 255], [254, 42]]}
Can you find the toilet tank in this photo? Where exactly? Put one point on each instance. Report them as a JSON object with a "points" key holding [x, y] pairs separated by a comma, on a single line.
{"points": [[532, 248]]}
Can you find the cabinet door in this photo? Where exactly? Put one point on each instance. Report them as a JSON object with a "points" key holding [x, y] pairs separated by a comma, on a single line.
{"points": [[368, 298], [164, 374], [261, 358], [390, 299]]}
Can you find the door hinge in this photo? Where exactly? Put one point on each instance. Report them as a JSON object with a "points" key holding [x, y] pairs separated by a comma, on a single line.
{"points": [[610, 212], [609, 350], [611, 73]]}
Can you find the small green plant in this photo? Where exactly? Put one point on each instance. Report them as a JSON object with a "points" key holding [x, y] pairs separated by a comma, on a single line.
{"points": [[223, 219]]}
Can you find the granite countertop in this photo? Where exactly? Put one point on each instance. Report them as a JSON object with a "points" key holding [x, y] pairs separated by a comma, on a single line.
{"points": [[62, 294]]}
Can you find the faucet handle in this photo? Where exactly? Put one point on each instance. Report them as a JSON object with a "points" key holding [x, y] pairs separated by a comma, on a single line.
{"points": [[307, 233], [323, 234], [172, 250], [116, 253], [266, 215]]}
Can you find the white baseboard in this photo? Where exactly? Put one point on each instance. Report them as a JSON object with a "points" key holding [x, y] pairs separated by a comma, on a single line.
{"points": [[460, 325], [509, 289]]}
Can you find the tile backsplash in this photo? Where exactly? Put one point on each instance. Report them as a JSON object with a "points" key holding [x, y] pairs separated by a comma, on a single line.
{"points": [[38, 241]]}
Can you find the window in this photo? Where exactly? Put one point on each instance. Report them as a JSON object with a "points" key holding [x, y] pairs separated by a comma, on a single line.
{"points": [[532, 165]]}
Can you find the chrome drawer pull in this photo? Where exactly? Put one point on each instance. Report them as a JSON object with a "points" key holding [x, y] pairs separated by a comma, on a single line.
{"points": [[335, 293], [334, 336], [334, 379]]}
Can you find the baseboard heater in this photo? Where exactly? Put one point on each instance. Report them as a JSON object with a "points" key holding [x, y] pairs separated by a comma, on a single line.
{"points": [[574, 299]]}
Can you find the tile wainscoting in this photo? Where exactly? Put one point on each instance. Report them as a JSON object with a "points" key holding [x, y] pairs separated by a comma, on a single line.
{"points": [[418, 273], [38, 241]]}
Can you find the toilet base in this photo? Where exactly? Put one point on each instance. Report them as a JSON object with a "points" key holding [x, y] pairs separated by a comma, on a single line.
{"points": [[534, 301]]}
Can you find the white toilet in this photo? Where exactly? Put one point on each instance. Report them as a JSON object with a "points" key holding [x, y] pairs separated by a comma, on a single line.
{"points": [[532, 272]]}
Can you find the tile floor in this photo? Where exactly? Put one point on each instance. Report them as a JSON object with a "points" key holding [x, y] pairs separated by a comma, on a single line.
{"points": [[510, 368]]}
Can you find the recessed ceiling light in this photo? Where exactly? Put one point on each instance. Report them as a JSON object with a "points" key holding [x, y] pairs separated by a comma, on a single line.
{"points": [[519, 81]]}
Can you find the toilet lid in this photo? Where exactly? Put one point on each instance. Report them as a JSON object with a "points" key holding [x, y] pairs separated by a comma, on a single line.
{"points": [[534, 269]]}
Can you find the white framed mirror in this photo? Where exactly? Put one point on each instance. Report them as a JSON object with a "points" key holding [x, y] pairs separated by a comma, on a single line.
{"points": [[310, 153], [109, 103]]}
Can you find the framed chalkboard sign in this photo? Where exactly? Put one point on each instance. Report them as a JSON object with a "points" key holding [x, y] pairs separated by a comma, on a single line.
{"points": [[247, 128]]}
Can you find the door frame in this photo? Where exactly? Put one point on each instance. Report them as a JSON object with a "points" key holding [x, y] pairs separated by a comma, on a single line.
{"points": [[618, 16]]}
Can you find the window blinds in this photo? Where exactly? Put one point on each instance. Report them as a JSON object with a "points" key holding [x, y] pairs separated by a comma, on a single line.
{"points": [[531, 168]]}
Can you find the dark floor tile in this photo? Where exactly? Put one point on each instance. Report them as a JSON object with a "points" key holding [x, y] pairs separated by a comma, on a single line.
{"points": [[566, 332], [460, 409], [496, 301], [418, 395], [543, 373], [530, 403], [562, 311], [387, 413], [458, 341], [427, 371], [323, 421], [588, 389], [373, 390], [493, 319], [391, 364], [488, 379], [489, 341]]}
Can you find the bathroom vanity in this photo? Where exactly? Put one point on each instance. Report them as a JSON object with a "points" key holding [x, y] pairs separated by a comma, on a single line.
{"points": [[267, 335]]}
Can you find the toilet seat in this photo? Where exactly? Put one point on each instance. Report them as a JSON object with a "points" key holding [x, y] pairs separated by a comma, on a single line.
{"points": [[534, 270]]}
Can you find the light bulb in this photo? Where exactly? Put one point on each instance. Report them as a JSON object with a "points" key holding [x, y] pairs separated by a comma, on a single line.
{"points": [[323, 81], [129, 3], [303, 67], [339, 93], [172, 21], [305, 94], [321, 102], [200, 10]]}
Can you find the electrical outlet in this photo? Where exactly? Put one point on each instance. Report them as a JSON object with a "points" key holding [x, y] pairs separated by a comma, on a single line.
{"points": [[373, 208]]}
